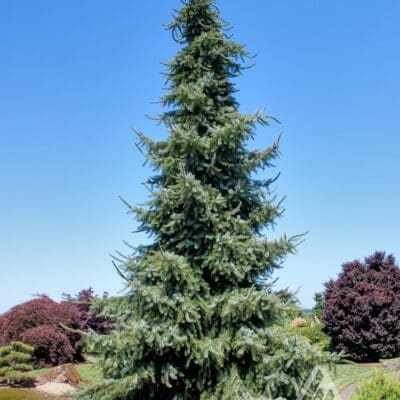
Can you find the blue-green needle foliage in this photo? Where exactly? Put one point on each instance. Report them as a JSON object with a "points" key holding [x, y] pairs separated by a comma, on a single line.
{"points": [[199, 321]]}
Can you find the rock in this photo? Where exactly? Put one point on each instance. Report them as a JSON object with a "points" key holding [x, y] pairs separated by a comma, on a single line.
{"points": [[299, 323], [55, 389], [66, 373]]}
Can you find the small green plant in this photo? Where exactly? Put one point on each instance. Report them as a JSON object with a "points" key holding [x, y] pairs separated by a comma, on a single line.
{"points": [[380, 387], [313, 334], [15, 363]]}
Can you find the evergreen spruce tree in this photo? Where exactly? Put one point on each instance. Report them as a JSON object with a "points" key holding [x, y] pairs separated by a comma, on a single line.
{"points": [[319, 305], [200, 321]]}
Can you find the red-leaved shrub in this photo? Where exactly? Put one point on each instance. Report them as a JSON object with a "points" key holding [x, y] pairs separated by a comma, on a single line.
{"points": [[362, 309], [90, 307], [40, 322], [52, 347]]}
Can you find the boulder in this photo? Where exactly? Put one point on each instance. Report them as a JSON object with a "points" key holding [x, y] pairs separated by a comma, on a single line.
{"points": [[66, 373], [299, 323], [55, 389]]}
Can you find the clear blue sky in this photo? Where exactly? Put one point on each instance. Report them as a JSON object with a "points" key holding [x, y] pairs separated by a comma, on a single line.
{"points": [[76, 75]]}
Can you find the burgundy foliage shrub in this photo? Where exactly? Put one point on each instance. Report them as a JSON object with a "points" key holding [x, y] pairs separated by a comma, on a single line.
{"points": [[37, 322], [362, 309], [90, 307], [52, 347]]}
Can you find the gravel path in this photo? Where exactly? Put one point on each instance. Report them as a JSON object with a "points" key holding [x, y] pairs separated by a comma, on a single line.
{"points": [[347, 392]]}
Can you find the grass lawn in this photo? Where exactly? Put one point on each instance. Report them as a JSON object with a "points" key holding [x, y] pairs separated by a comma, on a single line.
{"points": [[343, 375], [38, 372], [348, 374], [89, 372], [18, 394]]}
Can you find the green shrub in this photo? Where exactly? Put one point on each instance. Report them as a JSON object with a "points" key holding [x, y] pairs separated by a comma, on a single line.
{"points": [[15, 363], [381, 387], [314, 335]]}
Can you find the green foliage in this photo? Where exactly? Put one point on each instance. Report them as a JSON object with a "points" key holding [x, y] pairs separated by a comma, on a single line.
{"points": [[316, 336], [200, 320], [15, 363], [380, 387], [319, 305], [293, 309], [313, 334]]}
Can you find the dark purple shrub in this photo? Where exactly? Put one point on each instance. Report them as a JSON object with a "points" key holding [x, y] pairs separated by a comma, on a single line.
{"points": [[52, 346], [362, 309], [90, 307], [23, 321]]}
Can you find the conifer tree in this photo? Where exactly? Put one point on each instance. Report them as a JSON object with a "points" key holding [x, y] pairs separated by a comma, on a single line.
{"points": [[200, 321], [319, 305], [16, 363]]}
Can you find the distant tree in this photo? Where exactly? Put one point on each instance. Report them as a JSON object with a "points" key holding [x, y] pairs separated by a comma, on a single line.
{"points": [[362, 309], [39, 322], [293, 308], [90, 306], [319, 305], [16, 363]]}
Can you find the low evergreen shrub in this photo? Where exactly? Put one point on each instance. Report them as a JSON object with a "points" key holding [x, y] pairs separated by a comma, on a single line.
{"points": [[381, 387], [16, 363], [313, 333]]}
